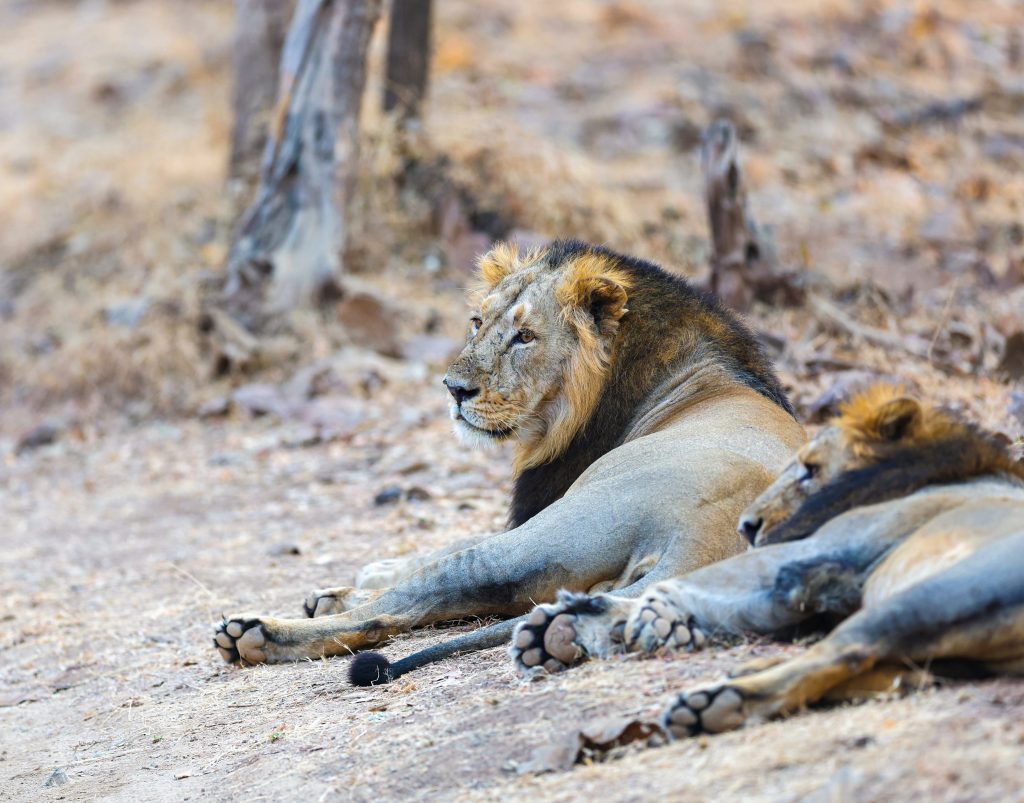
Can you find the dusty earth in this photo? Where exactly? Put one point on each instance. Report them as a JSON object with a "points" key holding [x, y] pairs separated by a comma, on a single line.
{"points": [[119, 554], [122, 542]]}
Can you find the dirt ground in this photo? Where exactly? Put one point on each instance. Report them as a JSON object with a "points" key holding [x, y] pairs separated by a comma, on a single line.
{"points": [[120, 554], [125, 540]]}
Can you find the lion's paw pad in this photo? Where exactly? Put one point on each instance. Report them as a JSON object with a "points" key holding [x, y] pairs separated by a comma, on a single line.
{"points": [[710, 710], [241, 639], [545, 640], [660, 625]]}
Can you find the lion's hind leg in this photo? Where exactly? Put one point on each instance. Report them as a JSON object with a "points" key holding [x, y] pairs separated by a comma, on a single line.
{"points": [[974, 610]]}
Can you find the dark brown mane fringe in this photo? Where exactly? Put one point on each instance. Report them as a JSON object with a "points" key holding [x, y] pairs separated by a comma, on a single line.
{"points": [[668, 323], [951, 451]]}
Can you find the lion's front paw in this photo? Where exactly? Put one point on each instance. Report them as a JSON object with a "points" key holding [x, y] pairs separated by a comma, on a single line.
{"points": [[657, 624], [563, 634], [711, 709], [241, 639]]}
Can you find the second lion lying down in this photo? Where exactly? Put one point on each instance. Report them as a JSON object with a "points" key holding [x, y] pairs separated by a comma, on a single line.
{"points": [[899, 520]]}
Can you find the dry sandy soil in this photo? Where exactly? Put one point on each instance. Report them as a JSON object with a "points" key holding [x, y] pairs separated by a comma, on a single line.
{"points": [[123, 542], [119, 555]]}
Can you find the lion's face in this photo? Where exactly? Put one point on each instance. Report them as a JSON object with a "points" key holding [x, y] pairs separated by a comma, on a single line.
{"points": [[537, 352], [815, 465], [868, 426]]}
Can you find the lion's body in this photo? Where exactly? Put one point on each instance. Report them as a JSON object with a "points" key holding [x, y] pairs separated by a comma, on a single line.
{"points": [[685, 425], [934, 575]]}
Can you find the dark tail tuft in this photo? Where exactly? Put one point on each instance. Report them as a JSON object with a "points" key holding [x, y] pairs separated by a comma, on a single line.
{"points": [[369, 669]]}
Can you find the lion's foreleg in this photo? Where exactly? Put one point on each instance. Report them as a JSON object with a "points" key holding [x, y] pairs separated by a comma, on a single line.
{"points": [[974, 610], [503, 575]]}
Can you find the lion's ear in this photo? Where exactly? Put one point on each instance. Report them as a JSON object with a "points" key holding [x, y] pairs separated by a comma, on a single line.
{"points": [[501, 261], [897, 418], [605, 300], [597, 288]]}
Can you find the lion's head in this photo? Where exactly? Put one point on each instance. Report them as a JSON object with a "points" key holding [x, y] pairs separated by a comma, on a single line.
{"points": [[884, 444], [878, 418], [539, 346]]}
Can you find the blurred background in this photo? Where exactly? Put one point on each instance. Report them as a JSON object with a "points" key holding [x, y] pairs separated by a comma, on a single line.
{"points": [[882, 145]]}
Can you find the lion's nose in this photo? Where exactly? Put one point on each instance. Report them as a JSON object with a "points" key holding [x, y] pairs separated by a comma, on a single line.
{"points": [[750, 527], [460, 390]]}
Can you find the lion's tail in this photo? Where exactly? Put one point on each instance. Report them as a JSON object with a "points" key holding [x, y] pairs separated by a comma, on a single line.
{"points": [[372, 668]]}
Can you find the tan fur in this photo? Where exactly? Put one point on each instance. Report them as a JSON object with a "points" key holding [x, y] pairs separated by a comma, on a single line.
{"points": [[870, 427], [687, 453], [933, 573]]}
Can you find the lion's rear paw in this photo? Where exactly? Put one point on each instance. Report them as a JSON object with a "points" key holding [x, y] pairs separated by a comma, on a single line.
{"points": [[241, 639], [712, 709], [657, 624], [565, 633], [331, 601], [545, 640]]}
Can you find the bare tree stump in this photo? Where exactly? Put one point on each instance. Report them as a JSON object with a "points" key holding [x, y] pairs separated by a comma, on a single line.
{"points": [[289, 243], [408, 62], [743, 264], [260, 28]]}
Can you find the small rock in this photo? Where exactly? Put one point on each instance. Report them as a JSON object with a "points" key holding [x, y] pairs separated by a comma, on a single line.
{"points": [[280, 550], [332, 417], [42, 435], [370, 322], [261, 399], [415, 467], [418, 494], [313, 380], [388, 496], [214, 408], [128, 314], [57, 778], [300, 436], [1012, 363]]}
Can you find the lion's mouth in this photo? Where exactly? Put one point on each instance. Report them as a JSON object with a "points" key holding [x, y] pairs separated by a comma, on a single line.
{"points": [[498, 433]]}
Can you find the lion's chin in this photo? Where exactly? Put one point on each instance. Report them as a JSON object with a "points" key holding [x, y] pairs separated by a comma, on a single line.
{"points": [[472, 435]]}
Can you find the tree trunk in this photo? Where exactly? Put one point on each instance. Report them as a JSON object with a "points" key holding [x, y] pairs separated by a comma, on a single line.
{"points": [[289, 242], [743, 263], [260, 27], [408, 63]]}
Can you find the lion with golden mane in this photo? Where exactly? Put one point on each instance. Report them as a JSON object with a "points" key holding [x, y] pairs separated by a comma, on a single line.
{"points": [[900, 521], [646, 418]]}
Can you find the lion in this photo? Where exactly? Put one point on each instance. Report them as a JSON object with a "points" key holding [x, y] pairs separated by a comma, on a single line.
{"points": [[900, 521], [645, 416]]}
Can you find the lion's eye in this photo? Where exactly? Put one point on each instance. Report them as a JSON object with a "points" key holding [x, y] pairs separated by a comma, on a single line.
{"points": [[475, 324], [524, 336], [810, 472]]}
